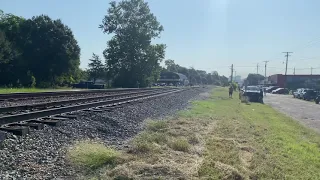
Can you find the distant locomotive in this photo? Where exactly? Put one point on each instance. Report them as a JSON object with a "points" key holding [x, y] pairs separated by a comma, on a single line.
{"points": [[87, 85]]}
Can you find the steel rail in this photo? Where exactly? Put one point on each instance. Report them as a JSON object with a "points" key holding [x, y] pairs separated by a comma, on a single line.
{"points": [[61, 93], [58, 103], [54, 111]]}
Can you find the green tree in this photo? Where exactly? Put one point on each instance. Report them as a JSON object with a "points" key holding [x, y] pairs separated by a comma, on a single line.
{"points": [[130, 56], [254, 79], [52, 47], [96, 68], [7, 55], [16, 69]]}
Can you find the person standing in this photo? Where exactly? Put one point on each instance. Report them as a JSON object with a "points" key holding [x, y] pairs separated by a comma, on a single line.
{"points": [[230, 91]]}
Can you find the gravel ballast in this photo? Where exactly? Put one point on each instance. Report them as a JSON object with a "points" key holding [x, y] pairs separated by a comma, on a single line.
{"points": [[41, 154], [46, 99]]}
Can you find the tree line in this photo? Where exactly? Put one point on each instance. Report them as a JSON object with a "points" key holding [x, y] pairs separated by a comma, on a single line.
{"points": [[43, 52], [38, 52], [196, 76]]}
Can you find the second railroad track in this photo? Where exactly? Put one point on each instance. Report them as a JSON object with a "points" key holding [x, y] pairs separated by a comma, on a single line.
{"points": [[35, 115]]}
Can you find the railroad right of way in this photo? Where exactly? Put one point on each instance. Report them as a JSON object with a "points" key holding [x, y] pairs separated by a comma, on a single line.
{"points": [[41, 153], [21, 118]]}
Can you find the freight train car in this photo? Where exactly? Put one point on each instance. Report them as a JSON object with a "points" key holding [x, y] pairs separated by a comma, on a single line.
{"points": [[88, 85]]}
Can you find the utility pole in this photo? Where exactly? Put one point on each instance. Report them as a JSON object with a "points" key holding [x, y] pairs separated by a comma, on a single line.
{"points": [[285, 77], [294, 71], [287, 55], [265, 71], [257, 68], [231, 77]]}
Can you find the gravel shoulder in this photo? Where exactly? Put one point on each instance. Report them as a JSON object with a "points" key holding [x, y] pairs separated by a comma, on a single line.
{"points": [[307, 113], [41, 154]]}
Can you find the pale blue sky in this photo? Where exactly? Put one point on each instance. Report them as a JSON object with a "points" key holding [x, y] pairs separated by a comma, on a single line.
{"points": [[206, 34]]}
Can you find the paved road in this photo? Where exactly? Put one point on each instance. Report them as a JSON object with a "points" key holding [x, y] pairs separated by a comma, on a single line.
{"points": [[308, 113]]}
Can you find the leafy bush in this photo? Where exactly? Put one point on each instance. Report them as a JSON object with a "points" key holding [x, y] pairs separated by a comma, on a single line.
{"points": [[180, 145], [157, 126], [92, 155]]}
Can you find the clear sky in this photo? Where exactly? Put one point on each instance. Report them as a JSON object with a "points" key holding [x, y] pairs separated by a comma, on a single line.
{"points": [[206, 34]]}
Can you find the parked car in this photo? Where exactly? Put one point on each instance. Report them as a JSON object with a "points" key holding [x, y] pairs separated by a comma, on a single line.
{"points": [[309, 94], [271, 88], [280, 91], [317, 99], [252, 93], [297, 93], [302, 92]]}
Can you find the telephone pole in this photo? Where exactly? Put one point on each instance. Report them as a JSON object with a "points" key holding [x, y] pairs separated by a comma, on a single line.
{"points": [[285, 77], [257, 68], [294, 71], [265, 71], [231, 77], [287, 55]]}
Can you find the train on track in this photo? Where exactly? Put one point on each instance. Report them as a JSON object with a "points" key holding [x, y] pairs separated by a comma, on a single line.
{"points": [[88, 85]]}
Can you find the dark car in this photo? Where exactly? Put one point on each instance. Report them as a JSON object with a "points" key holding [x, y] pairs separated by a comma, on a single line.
{"points": [[280, 91], [309, 94], [252, 93]]}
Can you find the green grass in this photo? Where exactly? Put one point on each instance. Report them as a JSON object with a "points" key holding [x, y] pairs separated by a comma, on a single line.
{"points": [[92, 155], [180, 144], [219, 138], [257, 141], [28, 90]]}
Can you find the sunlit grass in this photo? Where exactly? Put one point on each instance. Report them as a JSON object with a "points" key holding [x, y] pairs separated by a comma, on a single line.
{"points": [[221, 138], [92, 155], [27, 90]]}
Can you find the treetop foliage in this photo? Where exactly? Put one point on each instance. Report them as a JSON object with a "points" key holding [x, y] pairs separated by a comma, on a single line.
{"points": [[38, 49], [130, 57]]}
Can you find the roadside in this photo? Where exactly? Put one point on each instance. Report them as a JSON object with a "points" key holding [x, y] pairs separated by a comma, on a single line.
{"points": [[29, 90], [219, 138], [306, 112]]}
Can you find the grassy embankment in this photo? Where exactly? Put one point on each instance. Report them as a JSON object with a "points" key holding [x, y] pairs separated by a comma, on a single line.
{"points": [[27, 90], [218, 138]]}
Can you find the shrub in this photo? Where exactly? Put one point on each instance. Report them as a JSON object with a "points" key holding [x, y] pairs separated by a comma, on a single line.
{"points": [[180, 145], [92, 155], [157, 126], [142, 147]]}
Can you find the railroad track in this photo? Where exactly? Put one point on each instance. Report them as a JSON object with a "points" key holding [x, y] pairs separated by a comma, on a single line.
{"points": [[68, 101], [63, 93], [20, 123]]}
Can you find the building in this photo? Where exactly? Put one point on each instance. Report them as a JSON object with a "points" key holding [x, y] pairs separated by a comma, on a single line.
{"points": [[173, 78], [295, 81]]}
